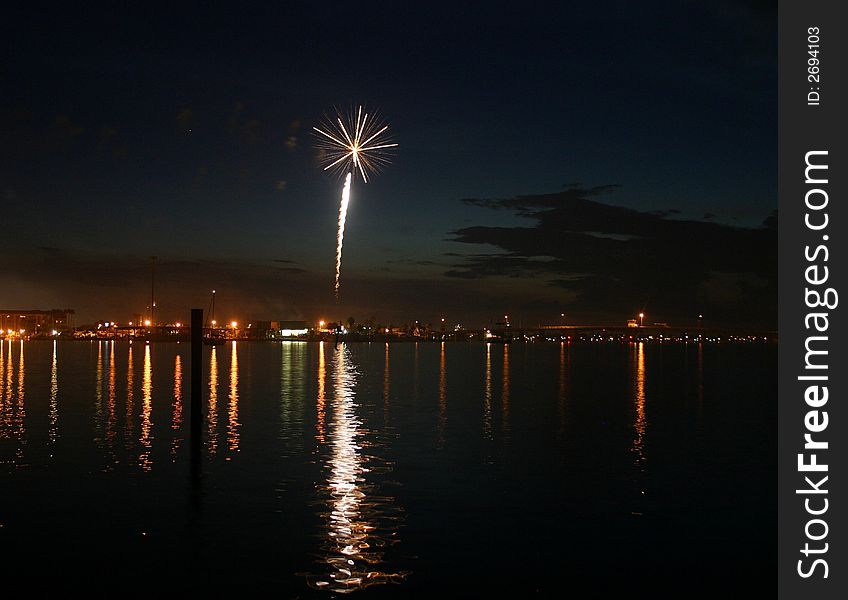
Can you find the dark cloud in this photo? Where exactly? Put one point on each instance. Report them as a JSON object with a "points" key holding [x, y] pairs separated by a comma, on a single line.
{"points": [[111, 141], [409, 261], [246, 128], [185, 119], [615, 260], [25, 134], [291, 140]]}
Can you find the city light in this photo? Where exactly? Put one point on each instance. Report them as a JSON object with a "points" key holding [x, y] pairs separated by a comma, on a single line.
{"points": [[233, 324], [147, 322]]}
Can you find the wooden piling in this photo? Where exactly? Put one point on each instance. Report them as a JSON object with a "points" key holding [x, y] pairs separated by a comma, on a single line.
{"points": [[196, 372]]}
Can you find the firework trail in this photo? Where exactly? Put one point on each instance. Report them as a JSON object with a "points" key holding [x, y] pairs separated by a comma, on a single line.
{"points": [[342, 219], [352, 144]]}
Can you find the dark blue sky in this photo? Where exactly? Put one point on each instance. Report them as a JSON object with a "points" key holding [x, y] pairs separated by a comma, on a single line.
{"points": [[185, 134]]}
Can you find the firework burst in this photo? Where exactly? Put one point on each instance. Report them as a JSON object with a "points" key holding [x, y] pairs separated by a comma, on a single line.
{"points": [[354, 143], [351, 144]]}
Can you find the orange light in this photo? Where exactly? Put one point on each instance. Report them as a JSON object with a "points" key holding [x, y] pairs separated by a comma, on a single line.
{"points": [[233, 324], [147, 322], [214, 322]]}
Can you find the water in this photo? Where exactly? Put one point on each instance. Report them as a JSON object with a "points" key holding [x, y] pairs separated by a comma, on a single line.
{"points": [[389, 470]]}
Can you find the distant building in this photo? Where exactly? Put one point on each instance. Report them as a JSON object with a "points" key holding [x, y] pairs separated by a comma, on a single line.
{"points": [[632, 323], [36, 322], [278, 329], [290, 328]]}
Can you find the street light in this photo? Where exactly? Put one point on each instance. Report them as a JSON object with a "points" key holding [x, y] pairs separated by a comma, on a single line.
{"points": [[641, 317]]}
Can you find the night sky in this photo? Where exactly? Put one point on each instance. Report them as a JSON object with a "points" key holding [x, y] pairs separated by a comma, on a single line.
{"points": [[596, 159]]}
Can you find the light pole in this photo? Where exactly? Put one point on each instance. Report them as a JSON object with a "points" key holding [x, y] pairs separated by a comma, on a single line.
{"points": [[641, 318], [152, 288]]}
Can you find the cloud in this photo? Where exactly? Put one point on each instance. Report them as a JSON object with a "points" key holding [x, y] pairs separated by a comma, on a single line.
{"points": [[185, 119], [111, 141], [65, 129], [614, 260], [246, 128], [25, 134]]}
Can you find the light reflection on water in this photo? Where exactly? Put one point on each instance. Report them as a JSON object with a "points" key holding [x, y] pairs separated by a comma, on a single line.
{"points": [[292, 395], [129, 428], [505, 392], [640, 425], [319, 405], [177, 418], [146, 437], [563, 386], [53, 429], [360, 524], [487, 395], [386, 387], [212, 412], [112, 415], [335, 499], [13, 407], [98, 397], [443, 400], [232, 413]]}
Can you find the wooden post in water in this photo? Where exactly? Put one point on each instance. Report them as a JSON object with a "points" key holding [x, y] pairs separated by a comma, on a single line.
{"points": [[196, 372]]}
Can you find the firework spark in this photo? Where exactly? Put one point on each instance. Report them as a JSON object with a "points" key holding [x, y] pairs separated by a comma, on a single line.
{"points": [[353, 144]]}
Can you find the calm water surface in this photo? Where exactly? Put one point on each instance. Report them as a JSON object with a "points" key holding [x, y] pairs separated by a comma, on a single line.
{"points": [[390, 470]]}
